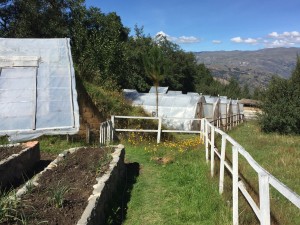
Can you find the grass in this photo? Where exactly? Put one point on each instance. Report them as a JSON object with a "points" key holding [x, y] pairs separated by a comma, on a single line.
{"points": [[58, 195], [9, 212], [279, 155], [57, 144], [173, 186]]}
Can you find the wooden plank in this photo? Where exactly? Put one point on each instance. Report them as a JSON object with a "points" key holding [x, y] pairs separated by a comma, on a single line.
{"points": [[212, 152], [182, 131], [137, 117], [235, 187], [228, 167], [206, 140], [222, 164], [285, 191], [264, 199], [159, 130], [249, 199]]}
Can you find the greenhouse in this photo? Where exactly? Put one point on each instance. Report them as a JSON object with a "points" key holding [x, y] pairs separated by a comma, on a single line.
{"points": [[173, 105], [37, 88]]}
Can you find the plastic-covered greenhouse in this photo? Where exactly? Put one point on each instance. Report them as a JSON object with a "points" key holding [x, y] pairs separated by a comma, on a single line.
{"points": [[37, 88], [174, 104]]}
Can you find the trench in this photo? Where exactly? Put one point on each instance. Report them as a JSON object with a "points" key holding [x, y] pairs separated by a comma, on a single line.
{"points": [[117, 211]]}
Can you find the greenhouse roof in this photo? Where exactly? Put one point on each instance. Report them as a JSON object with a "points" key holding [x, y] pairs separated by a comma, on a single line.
{"points": [[37, 88]]}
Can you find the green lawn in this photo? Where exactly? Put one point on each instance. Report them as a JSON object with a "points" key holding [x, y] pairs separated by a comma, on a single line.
{"points": [[178, 191]]}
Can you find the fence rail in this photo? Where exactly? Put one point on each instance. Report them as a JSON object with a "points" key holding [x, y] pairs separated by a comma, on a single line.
{"points": [[265, 179], [208, 131], [230, 122]]}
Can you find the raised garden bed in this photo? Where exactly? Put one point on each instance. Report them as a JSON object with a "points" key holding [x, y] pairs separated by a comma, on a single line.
{"points": [[74, 188], [16, 160]]}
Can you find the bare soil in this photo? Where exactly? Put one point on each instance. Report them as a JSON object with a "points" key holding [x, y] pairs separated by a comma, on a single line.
{"points": [[77, 173], [5, 151]]}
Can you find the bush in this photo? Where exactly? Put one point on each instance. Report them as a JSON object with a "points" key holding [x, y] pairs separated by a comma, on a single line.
{"points": [[281, 106]]}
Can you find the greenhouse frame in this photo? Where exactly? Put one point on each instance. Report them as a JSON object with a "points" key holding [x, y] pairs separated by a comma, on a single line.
{"points": [[37, 88]]}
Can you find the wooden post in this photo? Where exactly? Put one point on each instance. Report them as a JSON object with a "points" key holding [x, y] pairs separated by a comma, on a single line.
{"points": [[212, 151], [112, 127], [235, 187], [264, 198], [201, 129], [100, 133], [159, 130], [206, 141], [222, 164], [108, 137]]}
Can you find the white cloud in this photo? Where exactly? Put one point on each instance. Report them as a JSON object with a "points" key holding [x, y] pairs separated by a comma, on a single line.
{"points": [[216, 42], [250, 41], [237, 39], [273, 39], [190, 39], [285, 39], [241, 40], [178, 40], [273, 34]]}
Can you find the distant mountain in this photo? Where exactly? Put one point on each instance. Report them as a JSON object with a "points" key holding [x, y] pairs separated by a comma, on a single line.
{"points": [[254, 68]]}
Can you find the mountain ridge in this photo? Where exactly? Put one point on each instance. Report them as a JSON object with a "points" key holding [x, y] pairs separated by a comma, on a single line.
{"points": [[254, 68]]}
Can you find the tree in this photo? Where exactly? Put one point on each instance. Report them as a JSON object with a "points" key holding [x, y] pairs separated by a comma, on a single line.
{"points": [[281, 105], [155, 68], [34, 18]]}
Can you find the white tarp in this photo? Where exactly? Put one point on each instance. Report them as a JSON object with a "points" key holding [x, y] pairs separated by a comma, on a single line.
{"points": [[178, 105], [173, 105], [37, 88]]}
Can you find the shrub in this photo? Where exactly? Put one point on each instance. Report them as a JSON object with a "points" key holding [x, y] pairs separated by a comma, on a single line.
{"points": [[281, 106]]}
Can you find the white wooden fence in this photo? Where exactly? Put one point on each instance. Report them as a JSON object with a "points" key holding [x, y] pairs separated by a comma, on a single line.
{"points": [[265, 179], [106, 133], [159, 129], [208, 131]]}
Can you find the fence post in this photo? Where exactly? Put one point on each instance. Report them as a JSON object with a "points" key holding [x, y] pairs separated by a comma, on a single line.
{"points": [[206, 141], [212, 151], [222, 164], [108, 133], [159, 130], [201, 129], [235, 187], [264, 198], [100, 132], [112, 119]]}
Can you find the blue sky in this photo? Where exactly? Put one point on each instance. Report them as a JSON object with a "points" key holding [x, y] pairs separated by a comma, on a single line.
{"points": [[210, 25]]}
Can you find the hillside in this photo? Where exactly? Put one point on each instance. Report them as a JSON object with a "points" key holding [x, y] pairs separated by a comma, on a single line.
{"points": [[254, 68]]}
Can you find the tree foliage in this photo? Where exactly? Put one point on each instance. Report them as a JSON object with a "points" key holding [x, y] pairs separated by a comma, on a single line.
{"points": [[103, 52], [281, 106]]}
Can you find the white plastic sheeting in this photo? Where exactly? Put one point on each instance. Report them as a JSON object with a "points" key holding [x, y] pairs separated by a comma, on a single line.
{"points": [[37, 88], [162, 90], [174, 104]]}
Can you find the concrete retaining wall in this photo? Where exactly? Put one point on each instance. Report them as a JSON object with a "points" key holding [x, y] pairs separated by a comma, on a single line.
{"points": [[94, 213], [107, 185], [15, 166]]}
